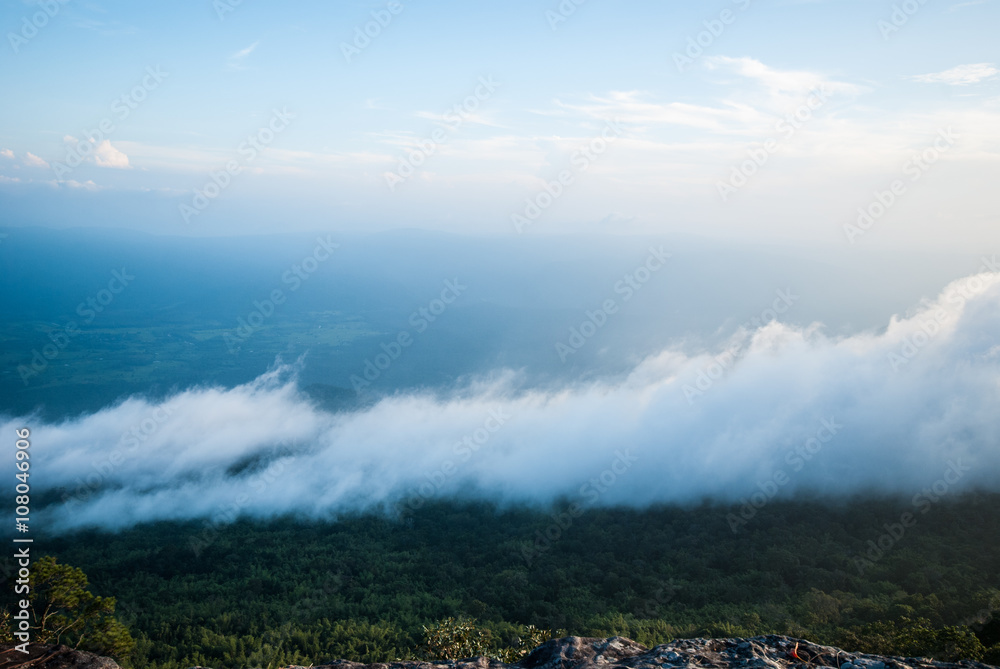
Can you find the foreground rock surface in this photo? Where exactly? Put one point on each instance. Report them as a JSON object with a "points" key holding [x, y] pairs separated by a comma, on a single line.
{"points": [[52, 657], [762, 652]]}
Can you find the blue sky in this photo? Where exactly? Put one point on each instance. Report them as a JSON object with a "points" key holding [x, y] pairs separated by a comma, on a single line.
{"points": [[869, 99]]}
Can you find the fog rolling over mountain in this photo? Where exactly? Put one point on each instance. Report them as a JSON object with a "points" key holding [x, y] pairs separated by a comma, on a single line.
{"points": [[776, 410], [418, 331]]}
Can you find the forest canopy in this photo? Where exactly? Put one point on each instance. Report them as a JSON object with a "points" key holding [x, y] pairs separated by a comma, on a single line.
{"points": [[368, 587]]}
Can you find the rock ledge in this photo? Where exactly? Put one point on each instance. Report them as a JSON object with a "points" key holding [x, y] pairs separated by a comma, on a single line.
{"points": [[762, 652]]}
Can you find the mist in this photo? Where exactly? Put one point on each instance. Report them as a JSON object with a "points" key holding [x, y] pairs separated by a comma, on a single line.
{"points": [[777, 410]]}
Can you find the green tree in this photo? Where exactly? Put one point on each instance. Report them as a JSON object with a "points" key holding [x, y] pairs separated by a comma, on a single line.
{"points": [[914, 638], [65, 611]]}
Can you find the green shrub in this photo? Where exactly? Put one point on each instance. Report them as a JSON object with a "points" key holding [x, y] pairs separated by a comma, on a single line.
{"points": [[452, 639]]}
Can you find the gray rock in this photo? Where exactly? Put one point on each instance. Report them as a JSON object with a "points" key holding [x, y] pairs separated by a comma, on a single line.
{"points": [[762, 652], [41, 656]]}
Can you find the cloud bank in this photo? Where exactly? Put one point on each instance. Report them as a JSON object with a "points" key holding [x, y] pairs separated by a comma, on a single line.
{"points": [[890, 411]]}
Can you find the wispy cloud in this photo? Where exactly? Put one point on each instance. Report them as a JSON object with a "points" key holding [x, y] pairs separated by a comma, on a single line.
{"points": [[782, 87], [753, 93], [7, 153], [468, 117], [963, 5], [236, 60], [106, 28], [963, 75], [73, 183], [636, 107]]}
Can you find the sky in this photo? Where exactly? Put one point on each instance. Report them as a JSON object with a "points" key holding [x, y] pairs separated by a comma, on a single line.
{"points": [[767, 120], [856, 133]]}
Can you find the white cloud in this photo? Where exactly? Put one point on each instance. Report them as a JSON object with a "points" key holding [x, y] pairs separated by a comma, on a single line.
{"points": [[797, 82], [86, 185], [751, 99], [101, 155], [106, 155], [73, 184], [898, 430], [635, 107], [963, 75], [7, 153], [32, 160]]}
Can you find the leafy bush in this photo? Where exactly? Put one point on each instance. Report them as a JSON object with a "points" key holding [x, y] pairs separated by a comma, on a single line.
{"points": [[452, 639]]}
